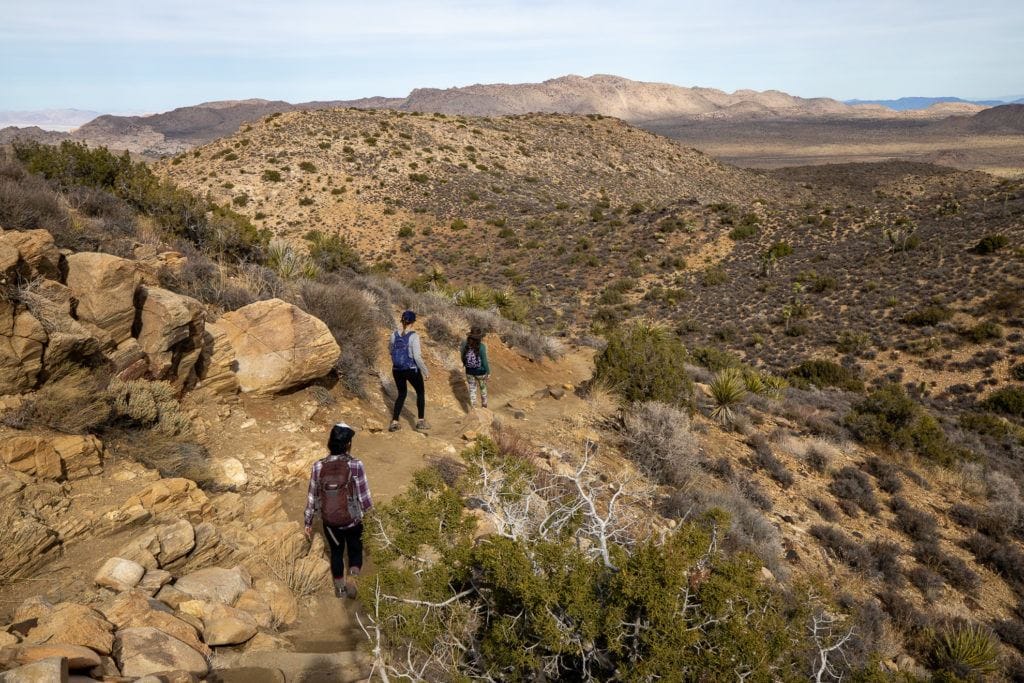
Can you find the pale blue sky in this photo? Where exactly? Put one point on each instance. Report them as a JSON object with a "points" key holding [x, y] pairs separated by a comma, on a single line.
{"points": [[119, 55]]}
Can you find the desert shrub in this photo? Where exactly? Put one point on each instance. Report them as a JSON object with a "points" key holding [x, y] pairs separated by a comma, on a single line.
{"points": [[1017, 372], [928, 316], [658, 439], [780, 250], [176, 211], [27, 202], [1005, 503], [885, 560], [844, 547], [819, 454], [307, 166], [441, 331], [825, 373], [916, 524], [271, 176], [766, 459], [645, 363], [714, 359], [332, 252], [951, 567], [1008, 400], [887, 474], [170, 456], [965, 652], [526, 340], [1011, 632], [888, 417], [1001, 557], [149, 404], [348, 315], [753, 492], [727, 392], [982, 332], [989, 244], [928, 582], [73, 402], [986, 424], [907, 618], [824, 508], [459, 224], [851, 484], [743, 232]]}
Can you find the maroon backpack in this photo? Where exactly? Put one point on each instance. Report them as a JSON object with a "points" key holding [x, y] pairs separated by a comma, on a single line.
{"points": [[338, 500]]}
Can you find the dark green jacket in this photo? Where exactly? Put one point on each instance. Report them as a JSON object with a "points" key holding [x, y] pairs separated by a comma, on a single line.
{"points": [[484, 369]]}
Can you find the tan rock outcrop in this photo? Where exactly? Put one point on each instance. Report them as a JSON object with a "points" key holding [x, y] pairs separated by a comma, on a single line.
{"points": [[177, 495], [171, 333], [22, 341], [217, 365], [36, 249], [223, 625], [278, 346], [215, 584], [32, 455], [82, 455], [145, 650], [78, 657], [75, 625], [104, 286]]}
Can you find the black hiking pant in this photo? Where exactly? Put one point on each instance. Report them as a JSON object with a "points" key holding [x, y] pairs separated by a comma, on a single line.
{"points": [[337, 540], [402, 379]]}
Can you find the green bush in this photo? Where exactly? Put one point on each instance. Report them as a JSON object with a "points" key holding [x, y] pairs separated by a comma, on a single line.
{"points": [[928, 316], [968, 653], [714, 359], [405, 231], [780, 250], [644, 362], [743, 232], [332, 252], [1017, 371], [824, 373], [459, 224], [982, 332], [271, 176], [307, 166], [989, 244], [176, 211], [888, 417], [1008, 400]]}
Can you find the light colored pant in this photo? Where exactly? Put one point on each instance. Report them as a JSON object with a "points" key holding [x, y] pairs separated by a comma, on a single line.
{"points": [[473, 381]]}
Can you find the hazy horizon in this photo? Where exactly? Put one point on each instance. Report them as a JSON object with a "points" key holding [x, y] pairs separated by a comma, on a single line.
{"points": [[120, 55]]}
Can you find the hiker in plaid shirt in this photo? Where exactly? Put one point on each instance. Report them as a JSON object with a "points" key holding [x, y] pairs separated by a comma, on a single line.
{"points": [[348, 535]]}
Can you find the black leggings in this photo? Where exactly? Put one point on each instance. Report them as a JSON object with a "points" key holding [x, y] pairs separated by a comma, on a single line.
{"points": [[337, 539], [414, 378]]}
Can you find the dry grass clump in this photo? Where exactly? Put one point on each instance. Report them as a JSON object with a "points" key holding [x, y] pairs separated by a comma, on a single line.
{"points": [[657, 437], [916, 524], [441, 331], [74, 402], [824, 508], [304, 576], [170, 456], [150, 404], [952, 568], [27, 202], [766, 459], [348, 314], [886, 473]]}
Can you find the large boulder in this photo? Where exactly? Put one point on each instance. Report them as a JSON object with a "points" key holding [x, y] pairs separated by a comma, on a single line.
{"points": [[278, 346], [104, 286], [51, 670], [215, 584], [133, 609], [171, 334], [217, 364], [78, 657], [22, 342], [36, 250], [223, 625], [280, 599], [144, 650], [176, 540]]}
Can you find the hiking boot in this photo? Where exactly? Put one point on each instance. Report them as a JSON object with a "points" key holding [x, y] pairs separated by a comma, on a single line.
{"points": [[422, 425], [394, 426], [340, 588], [350, 583]]}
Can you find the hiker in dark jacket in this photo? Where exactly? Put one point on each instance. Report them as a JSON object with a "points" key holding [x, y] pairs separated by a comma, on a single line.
{"points": [[339, 492], [474, 359], [408, 368]]}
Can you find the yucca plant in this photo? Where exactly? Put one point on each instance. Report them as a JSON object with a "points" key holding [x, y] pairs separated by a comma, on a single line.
{"points": [[970, 652], [475, 297], [774, 386], [727, 390]]}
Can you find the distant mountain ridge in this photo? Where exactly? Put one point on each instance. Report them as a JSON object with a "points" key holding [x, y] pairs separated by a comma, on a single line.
{"points": [[47, 119], [910, 103], [636, 102]]}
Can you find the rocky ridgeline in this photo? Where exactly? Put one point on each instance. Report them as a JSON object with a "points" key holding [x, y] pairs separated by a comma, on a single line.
{"points": [[196, 571]]}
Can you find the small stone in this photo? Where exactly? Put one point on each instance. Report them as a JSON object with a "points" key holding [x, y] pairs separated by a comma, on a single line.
{"points": [[766, 574], [119, 574], [471, 435], [556, 392], [232, 473], [519, 414]]}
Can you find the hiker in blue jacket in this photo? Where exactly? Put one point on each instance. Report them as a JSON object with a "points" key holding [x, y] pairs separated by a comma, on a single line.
{"points": [[408, 368], [474, 358]]}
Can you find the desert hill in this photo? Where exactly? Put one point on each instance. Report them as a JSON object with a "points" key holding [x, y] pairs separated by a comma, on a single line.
{"points": [[373, 176]]}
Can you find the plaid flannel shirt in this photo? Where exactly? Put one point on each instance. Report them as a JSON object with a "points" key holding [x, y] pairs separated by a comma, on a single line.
{"points": [[358, 476]]}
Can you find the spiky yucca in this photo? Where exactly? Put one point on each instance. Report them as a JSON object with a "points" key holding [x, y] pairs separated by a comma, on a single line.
{"points": [[727, 390], [968, 651]]}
